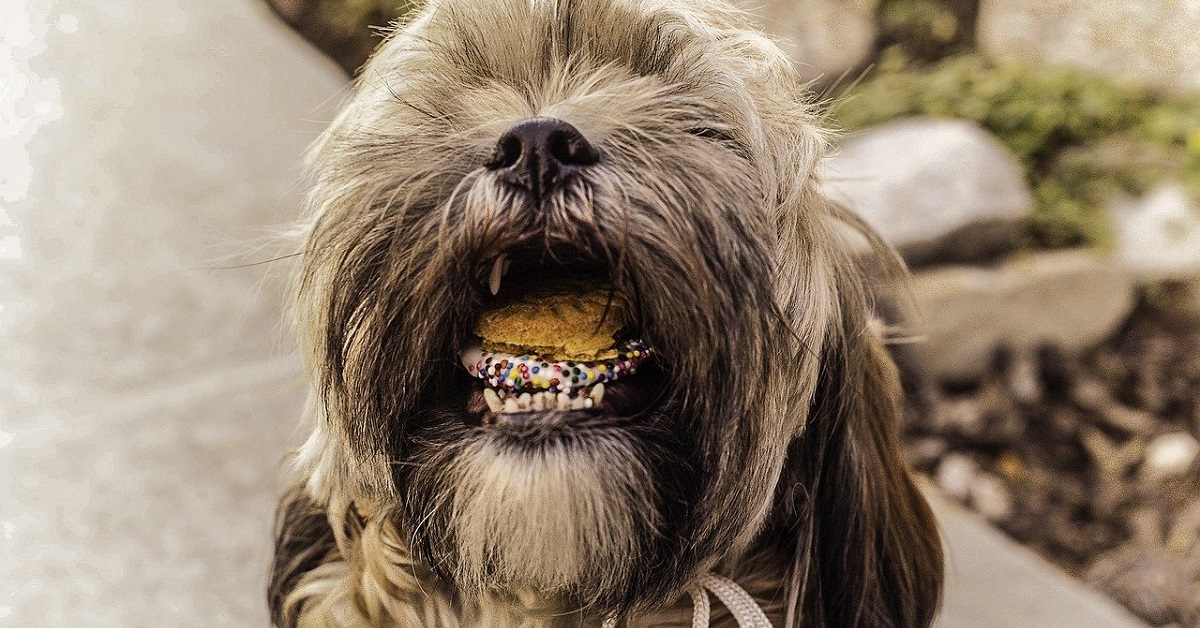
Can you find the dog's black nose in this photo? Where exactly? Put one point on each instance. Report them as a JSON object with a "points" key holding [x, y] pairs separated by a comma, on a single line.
{"points": [[540, 153]]}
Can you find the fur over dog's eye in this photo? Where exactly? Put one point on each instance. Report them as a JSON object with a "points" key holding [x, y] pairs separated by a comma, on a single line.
{"points": [[711, 133]]}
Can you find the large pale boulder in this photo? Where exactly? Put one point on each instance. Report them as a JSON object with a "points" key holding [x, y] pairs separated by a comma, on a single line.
{"points": [[1153, 41], [939, 190], [1071, 298], [825, 37]]}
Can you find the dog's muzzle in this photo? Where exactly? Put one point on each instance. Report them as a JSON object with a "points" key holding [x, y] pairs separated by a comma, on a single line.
{"points": [[522, 386]]}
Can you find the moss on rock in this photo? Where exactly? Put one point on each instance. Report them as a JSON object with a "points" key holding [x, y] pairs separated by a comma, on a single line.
{"points": [[1081, 138]]}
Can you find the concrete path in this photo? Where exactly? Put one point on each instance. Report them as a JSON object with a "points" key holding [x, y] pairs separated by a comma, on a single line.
{"points": [[992, 582], [147, 397]]}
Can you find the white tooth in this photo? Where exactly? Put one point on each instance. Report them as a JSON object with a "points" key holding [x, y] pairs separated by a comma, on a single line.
{"points": [[539, 402], [497, 273], [524, 400], [470, 357], [597, 393], [510, 405], [564, 401], [493, 400], [577, 404]]}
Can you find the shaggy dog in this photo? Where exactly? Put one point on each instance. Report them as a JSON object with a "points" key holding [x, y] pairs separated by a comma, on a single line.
{"points": [[666, 149]]}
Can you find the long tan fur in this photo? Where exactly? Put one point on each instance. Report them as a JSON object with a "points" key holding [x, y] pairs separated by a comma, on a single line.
{"points": [[783, 473]]}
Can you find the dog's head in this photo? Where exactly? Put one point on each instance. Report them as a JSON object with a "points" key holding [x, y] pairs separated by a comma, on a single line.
{"points": [[665, 151]]}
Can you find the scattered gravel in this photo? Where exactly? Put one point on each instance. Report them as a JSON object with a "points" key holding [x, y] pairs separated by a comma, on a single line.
{"points": [[1091, 458]]}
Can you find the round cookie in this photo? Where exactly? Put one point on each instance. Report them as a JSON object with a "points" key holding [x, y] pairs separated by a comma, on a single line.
{"points": [[577, 326]]}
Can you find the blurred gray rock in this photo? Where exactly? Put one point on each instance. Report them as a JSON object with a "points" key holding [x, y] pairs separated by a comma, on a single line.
{"points": [[1072, 298], [942, 191], [955, 475], [1022, 377], [1151, 41], [1158, 240], [991, 497], [959, 416], [1158, 235], [1170, 455], [825, 37]]}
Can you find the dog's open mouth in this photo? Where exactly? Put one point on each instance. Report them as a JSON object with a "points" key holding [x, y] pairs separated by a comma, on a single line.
{"points": [[555, 343]]}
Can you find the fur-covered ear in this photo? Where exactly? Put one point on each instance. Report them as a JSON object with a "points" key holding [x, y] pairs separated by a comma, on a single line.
{"points": [[866, 546]]}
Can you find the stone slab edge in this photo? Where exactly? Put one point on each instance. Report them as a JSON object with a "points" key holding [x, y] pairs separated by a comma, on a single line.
{"points": [[966, 311], [993, 582]]}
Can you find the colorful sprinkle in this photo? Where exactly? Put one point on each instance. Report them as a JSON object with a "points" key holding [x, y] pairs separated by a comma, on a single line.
{"points": [[515, 374]]}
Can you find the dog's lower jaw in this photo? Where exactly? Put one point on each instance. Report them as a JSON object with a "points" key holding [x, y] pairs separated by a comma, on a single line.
{"points": [[571, 513], [365, 575], [588, 520]]}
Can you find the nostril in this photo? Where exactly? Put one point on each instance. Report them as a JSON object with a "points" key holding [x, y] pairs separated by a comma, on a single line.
{"points": [[568, 147], [507, 153], [540, 153]]}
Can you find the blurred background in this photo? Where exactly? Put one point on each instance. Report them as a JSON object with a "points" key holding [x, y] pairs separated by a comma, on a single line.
{"points": [[1037, 163]]}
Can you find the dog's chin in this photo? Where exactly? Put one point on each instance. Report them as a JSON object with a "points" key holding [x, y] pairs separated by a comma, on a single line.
{"points": [[568, 505]]}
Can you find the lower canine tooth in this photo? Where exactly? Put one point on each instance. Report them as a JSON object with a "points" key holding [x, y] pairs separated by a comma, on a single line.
{"points": [[493, 400], [597, 393]]}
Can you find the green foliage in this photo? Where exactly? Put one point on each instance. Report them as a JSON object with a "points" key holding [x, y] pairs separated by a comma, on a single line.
{"points": [[1080, 138]]}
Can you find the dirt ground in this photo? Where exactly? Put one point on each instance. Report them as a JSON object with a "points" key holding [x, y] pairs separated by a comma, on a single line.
{"points": [[1090, 459]]}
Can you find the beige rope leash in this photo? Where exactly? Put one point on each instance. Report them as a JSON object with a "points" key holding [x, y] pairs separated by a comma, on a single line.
{"points": [[746, 612]]}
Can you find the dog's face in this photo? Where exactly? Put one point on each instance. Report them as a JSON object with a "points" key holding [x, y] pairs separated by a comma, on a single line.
{"points": [[658, 149]]}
